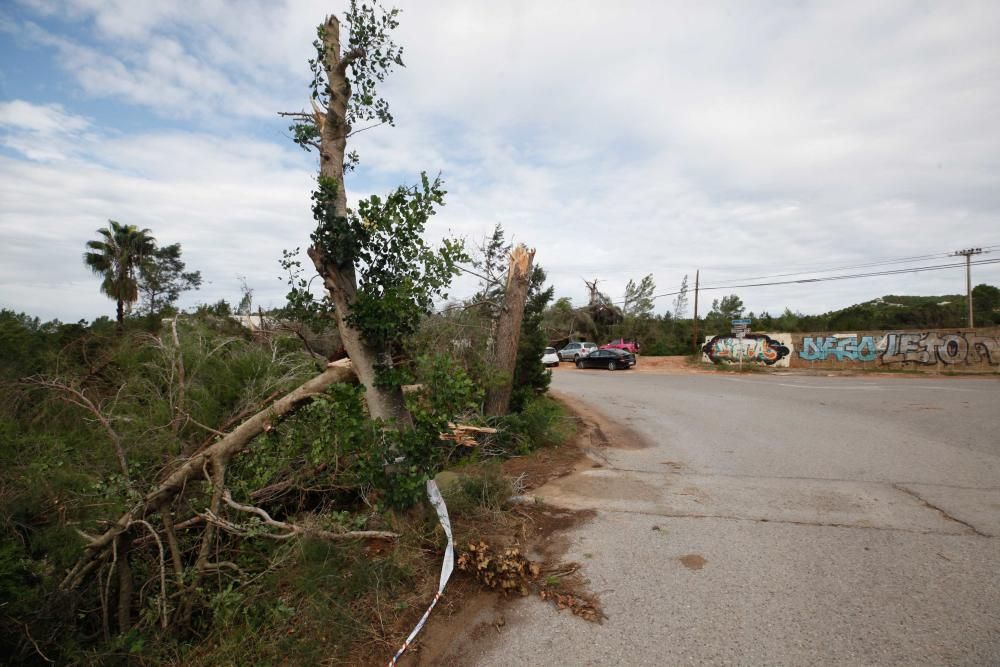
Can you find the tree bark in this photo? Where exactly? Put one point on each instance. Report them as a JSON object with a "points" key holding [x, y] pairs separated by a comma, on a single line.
{"points": [[509, 329], [341, 280], [193, 468], [125, 585], [120, 314]]}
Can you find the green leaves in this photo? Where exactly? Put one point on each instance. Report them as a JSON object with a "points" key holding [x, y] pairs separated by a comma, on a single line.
{"points": [[370, 28], [398, 274]]}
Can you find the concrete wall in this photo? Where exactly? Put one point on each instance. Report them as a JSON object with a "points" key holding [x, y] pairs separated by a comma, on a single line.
{"points": [[756, 348], [928, 349]]}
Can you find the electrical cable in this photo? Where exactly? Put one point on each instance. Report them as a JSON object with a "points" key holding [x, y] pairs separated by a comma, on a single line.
{"points": [[843, 277], [917, 269]]}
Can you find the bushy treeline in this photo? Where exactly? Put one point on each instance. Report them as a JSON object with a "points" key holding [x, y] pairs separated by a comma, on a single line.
{"points": [[666, 334], [93, 418]]}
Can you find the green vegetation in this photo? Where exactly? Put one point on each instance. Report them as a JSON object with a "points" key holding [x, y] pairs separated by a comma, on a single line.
{"points": [[82, 398], [671, 333]]}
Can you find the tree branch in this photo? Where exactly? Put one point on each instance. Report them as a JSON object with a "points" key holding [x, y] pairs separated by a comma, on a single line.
{"points": [[76, 397], [191, 468], [291, 529]]}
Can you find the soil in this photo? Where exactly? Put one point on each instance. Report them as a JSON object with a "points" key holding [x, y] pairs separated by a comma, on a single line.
{"points": [[542, 533], [659, 365], [693, 561]]}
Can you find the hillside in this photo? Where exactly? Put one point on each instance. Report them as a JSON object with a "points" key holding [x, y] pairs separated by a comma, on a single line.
{"points": [[895, 312]]}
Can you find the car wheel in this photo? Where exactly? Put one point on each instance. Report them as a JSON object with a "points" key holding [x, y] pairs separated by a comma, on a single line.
{"points": [[579, 364], [611, 366]]}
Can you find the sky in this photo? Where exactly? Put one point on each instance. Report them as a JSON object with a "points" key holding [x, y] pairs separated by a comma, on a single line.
{"points": [[741, 139]]}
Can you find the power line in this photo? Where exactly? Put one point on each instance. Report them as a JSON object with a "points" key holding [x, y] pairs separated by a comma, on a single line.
{"points": [[872, 274], [877, 262], [902, 260]]}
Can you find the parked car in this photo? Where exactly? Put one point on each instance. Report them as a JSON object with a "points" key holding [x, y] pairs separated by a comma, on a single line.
{"points": [[573, 351], [551, 357], [613, 360], [627, 344]]}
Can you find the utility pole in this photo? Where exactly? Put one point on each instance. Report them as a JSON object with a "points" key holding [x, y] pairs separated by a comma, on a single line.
{"points": [[695, 339], [968, 253]]}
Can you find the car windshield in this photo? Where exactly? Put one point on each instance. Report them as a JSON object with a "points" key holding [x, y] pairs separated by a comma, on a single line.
{"points": [[550, 350]]}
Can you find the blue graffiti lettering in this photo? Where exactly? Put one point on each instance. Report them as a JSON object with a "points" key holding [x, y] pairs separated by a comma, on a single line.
{"points": [[842, 348]]}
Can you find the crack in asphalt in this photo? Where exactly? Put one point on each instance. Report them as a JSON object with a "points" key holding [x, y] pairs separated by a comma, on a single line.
{"points": [[941, 511], [690, 473], [724, 517]]}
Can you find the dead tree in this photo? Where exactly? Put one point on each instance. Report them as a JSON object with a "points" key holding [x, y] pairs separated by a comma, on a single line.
{"points": [[509, 329]]}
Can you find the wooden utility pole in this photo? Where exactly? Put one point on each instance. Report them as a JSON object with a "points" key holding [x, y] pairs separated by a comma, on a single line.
{"points": [[695, 338], [968, 253], [509, 329]]}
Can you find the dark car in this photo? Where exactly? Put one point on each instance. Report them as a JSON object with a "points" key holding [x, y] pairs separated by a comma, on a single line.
{"points": [[611, 359]]}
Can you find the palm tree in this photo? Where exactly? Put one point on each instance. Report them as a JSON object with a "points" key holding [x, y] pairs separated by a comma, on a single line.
{"points": [[117, 256]]}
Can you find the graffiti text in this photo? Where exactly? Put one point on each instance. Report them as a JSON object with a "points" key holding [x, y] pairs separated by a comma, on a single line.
{"points": [[752, 348], [924, 348]]}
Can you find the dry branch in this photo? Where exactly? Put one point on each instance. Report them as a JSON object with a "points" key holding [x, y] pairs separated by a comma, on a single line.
{"points": [[290, 529], [462, 434], [219, 453], [76, 397]]}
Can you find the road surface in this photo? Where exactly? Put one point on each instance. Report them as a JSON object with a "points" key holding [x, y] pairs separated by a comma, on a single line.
{"points": [[779, 519]]}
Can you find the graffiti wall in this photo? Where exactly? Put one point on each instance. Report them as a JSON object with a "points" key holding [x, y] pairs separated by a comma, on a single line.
{"points": [[962, 349], [754, 348]]}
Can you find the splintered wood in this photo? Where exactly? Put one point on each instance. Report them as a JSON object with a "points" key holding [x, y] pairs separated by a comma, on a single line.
{"points": [[462, 434]]}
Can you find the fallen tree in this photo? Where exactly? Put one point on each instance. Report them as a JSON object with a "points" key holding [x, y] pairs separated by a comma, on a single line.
{"points": [[207, 465]]}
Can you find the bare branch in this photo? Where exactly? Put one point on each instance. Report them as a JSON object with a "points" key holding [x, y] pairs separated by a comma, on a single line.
{"points": [[163, 570], [348, 58], [291, 529], [370, 127], [191, 468], [75, 396]]}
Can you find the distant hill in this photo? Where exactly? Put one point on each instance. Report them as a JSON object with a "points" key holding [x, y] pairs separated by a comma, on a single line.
{"points": [[897, 312]]}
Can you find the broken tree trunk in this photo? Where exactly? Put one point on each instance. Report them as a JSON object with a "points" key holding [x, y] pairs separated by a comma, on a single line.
{"points": [[340, 279], [509, 329], [216, 456]]}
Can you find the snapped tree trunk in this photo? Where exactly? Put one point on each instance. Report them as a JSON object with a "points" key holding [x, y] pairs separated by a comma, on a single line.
{"points": [[508, 332], [340, 280]]}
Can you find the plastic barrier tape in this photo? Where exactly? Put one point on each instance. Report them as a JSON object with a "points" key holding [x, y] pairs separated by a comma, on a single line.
{"points": [[434, 495]]}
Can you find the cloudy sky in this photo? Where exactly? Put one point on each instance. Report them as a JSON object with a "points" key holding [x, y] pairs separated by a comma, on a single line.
{"points": [[743, 139]]}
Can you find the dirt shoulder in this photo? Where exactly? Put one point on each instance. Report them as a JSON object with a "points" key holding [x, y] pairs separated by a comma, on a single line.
{"points": [[469, 615]]}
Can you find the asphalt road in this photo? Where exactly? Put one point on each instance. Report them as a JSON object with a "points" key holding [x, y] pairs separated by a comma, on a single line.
{"points": [[779, 519]]}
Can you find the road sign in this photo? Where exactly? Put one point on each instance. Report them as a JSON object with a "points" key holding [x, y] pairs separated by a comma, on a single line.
{"points": [[745, 321]]}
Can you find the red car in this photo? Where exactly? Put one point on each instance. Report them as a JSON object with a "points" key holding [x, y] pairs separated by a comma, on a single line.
{"points": [[626, 344]]}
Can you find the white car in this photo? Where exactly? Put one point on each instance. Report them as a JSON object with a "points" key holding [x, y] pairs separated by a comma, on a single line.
{"points": [[551, 357], [574, 351]]}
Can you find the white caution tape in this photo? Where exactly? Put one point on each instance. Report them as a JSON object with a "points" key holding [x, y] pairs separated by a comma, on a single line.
{"points": [[434, 495]]}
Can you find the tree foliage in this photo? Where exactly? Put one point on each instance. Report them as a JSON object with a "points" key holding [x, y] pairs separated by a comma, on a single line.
{"points": [[681, 302], [117, 257], [398, 274], [162, 278], [638, 297]]}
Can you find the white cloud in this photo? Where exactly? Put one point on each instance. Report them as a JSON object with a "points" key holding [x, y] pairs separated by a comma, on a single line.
{"points": [[39, 131], [745, 139]]}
